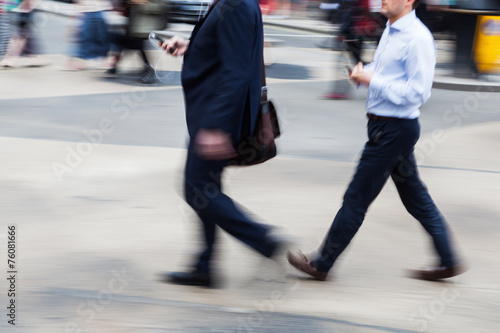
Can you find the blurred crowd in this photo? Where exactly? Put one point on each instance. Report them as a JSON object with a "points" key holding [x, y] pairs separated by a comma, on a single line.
{"points": [[476, 51], [93, 38], [356, 22], [17, 31]]}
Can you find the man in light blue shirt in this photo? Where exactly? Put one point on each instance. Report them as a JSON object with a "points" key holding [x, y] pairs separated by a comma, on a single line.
{"points": [[399, 82], [402, 71]]}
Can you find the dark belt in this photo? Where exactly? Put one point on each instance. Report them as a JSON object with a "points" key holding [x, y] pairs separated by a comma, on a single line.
{"points": [[374, 117]]}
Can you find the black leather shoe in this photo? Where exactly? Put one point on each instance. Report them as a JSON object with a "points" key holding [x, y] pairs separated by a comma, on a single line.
{"points": [[190, 279]]}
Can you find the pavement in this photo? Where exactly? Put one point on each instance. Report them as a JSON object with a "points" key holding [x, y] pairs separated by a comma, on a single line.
{"points": [[98, 222]]}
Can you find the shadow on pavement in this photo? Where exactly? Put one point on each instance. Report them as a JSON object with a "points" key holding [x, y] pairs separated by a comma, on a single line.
{"points": [[287, 71]]}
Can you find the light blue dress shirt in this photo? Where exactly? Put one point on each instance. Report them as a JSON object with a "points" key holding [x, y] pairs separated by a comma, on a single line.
{"points": [[403, 68]]}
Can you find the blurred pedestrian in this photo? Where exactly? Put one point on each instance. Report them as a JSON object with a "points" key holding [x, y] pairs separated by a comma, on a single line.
{"points": [[359, 24], [432, 13], [399, 82], [6, 21], [360, 21], [144, 16], [221, 79], [92, 37], [23, 41], [462, 24]]}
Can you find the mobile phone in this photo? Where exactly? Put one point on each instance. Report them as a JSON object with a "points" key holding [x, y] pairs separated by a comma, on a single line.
{"points": [[349, 70], [158, 39]]}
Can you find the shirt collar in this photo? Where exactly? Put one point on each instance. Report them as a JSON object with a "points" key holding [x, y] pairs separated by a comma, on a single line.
{"points": [[404, 22]]}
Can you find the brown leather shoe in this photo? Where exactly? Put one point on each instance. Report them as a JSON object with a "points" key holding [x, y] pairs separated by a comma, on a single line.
{"points": [[304, 264], [437, 273]]}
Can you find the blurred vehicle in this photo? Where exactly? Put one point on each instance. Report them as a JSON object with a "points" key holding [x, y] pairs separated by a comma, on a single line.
{"points": [[186, 11]]}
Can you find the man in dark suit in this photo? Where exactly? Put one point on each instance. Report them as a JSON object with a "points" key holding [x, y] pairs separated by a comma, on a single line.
{"points": [[221, 78]]}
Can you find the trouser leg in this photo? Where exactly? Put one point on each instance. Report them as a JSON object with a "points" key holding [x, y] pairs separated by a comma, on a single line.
{"points": [[5, 30], [144, 57], [387, 141], [209, 232], [84, 37], [419, 204], [366, 184], [355, 47], [203, 192]]}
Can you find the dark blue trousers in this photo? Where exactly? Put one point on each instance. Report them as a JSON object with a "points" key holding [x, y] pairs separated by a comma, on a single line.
{"points": [[93, 38], [203, 192], [388, 152]]}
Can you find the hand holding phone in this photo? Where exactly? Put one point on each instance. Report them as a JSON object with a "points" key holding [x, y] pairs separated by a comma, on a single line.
{"points": [[176, 46], [159, 41], [360, 76]]}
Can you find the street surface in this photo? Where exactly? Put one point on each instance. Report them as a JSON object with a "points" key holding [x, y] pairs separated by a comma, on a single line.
{"points": [[91, 174]]}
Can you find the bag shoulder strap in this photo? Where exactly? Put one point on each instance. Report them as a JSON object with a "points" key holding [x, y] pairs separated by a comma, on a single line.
{"points": [[263, 91]]}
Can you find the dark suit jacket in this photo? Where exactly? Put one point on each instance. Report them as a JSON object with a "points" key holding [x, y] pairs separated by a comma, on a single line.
{"points": [[221, 75]]}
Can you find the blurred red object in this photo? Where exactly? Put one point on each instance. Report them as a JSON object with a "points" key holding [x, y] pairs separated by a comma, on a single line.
{"points": [[365, 23], [267, 7]]}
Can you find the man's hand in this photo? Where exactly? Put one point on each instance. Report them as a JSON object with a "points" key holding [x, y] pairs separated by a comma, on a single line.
{"points": [[359, 76], [176, 46], [214, 145]]}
